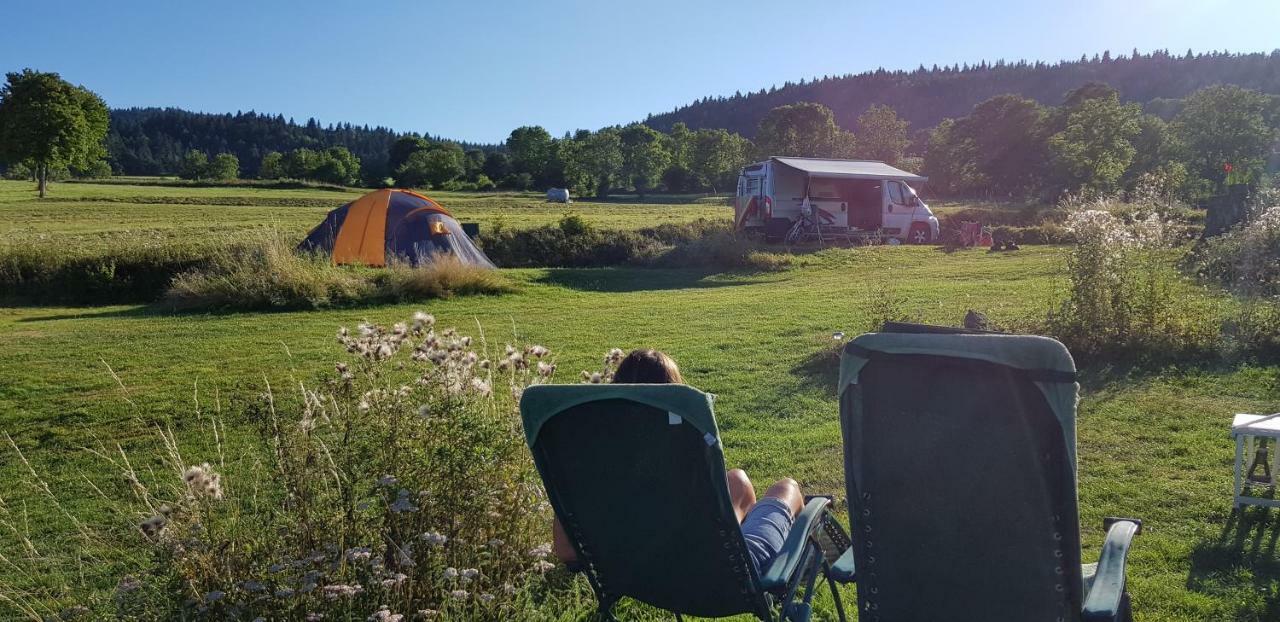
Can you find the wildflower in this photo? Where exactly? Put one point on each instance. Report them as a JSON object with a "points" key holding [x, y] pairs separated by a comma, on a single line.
{"points": [[201, 480], [387, 480], [459, 594], [614, 356], [339, 590], [214, 596], [365, 329], [494, 543], [253, 586], [383, 614], [486, 598], [434, 538], [127, 584], [545, 369], [284, 593], [343, 333], [395, 580], [428, 613], [314, 617], [540, 551], [450, 573], [480, 386], [470, 573], [153, 526], [594, 377], [402, 503], [423, 319], [357, 554], [274, 568], [484, 364], [508, 589], [539, 351], [543, 566]]}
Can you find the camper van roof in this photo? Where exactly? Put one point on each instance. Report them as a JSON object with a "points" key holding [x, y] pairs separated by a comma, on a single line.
{"points": [[848, 169]]}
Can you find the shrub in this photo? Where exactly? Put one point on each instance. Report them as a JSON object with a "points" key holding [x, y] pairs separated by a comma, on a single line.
{"points": [[36, 271], [272, 275], [265, 276], [398, 484], [720, 249], [1121, 301], [1246, 259]]}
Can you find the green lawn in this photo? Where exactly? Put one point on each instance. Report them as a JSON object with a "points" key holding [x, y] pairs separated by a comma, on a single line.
{"points": [[96, 215], [1152, 444]]}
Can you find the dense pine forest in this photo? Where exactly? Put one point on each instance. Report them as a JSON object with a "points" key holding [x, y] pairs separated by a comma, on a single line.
{"points": [[152, 141], [924, 97]]}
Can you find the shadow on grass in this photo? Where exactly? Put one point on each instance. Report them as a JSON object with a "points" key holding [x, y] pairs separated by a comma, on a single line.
{"points": [[617, 280], [1247, 542], [821, 368]]}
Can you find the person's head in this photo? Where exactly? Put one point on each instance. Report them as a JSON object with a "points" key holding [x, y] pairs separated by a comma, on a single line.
{"points": [[647, 367]]}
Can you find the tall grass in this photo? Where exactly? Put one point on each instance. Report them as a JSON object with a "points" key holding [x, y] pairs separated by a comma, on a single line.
{"points": [[272, 275], [395, 487]]}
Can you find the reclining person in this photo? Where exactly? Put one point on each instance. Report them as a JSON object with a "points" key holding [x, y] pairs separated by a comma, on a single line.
{"points": [[765, 523]]}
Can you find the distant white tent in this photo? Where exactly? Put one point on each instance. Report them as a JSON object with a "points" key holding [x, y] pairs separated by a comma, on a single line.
{"points": [[558, 195]]}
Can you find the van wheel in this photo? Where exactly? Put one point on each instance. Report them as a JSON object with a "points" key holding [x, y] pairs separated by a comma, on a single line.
{"points": [[918, 234]]}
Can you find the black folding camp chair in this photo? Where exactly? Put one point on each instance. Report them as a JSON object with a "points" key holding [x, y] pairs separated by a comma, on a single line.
{"points": [[636, 475], [960, 467]]}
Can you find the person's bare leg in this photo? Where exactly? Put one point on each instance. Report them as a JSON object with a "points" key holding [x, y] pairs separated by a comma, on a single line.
{"points": [[787, 491], [560, 544], [741, 493]]}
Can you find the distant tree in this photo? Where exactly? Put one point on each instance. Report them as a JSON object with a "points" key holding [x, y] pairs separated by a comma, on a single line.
{"points": [[271, 167], [644, 156], [1085, 92], [195, 165], [98, 169], [497, 165], [948, 161], [597, 157], [1156, 149], [47, 123], [473, 162], [1094, 149], [1004, 145], [803, 129], [881, 135], [404, 147], [436, 166], [679, 179], [335, 165], [1222, 125], [716, 154], [531, 150], [299, 163], [679, 141], [224, 167]]}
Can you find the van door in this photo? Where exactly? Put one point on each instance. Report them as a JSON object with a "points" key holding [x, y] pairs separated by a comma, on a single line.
{"points": [[897, 209]]}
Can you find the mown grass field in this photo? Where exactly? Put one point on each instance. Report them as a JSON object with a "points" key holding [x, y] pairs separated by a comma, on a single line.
{"points": [[1153, 444]]}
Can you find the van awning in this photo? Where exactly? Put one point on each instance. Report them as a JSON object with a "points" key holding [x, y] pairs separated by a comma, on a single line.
{"points": [[849, 169]]}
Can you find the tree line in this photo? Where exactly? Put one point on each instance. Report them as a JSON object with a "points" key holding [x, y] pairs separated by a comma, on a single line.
{"points": [[925, 96]]}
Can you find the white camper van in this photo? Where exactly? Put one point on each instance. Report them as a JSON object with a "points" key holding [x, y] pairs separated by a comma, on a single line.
{"points": [[845, 195]]}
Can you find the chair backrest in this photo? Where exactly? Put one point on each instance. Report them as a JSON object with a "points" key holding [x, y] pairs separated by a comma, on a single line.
{"points": [[636, 475], [960, 473]]}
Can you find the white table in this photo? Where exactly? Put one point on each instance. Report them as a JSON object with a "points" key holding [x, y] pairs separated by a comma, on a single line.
{"points": [[1246, 428]]}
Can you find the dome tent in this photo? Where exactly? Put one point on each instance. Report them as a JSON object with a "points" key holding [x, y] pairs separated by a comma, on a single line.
{"points": [[387, 225]]}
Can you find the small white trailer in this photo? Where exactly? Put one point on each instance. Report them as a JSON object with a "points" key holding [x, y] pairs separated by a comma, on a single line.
{"points": [[841, 196]]}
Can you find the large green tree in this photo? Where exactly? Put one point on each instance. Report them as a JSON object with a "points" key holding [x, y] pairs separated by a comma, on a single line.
{"points": [[882, 135], [223, 167], [1222, 125], [715, 155], [531, 149], [1095, 147], [46, 122], [270, 167], [1004, 145], [644, 156], [804, 129], [404, 147], [596, 156], [440, 164], [195, 165]]}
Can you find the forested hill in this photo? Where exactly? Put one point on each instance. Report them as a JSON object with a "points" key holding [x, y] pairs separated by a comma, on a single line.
{"points": [[926, 96], [151, 141]]}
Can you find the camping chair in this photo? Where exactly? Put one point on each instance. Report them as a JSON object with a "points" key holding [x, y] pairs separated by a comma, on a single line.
{"points": [[960, 468], [635, 472]]}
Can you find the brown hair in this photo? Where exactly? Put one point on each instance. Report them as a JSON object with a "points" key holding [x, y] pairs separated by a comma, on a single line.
{"points": [[647, 367]]}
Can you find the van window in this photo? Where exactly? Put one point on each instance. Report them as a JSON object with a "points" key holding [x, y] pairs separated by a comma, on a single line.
{"points": [[897, 194], [823, 189]]}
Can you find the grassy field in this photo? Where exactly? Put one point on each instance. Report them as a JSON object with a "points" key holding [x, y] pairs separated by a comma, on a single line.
{"points": [[1153, 444], [91, 216]]}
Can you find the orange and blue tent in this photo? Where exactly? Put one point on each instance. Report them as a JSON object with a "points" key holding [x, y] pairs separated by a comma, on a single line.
{"points": [[393, 225]]}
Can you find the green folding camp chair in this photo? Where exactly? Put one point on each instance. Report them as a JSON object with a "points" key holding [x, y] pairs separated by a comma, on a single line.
{"points": [[636, 475], [960, 466]]}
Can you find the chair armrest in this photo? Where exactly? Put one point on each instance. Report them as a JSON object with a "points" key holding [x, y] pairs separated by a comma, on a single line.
{"points": [[1104, 600], [784, 566]]}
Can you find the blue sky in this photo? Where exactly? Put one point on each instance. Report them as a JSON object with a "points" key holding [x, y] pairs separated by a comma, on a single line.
{"points": [[475, 70]]}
